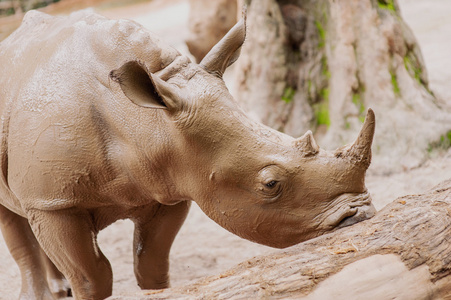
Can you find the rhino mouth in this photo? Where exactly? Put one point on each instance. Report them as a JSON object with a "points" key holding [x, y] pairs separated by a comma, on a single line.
{"points": [[363, 213], [345, 210], [359, 210]]}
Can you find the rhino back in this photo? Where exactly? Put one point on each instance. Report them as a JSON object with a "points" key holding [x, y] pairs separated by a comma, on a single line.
{"points": [[61, 117]]}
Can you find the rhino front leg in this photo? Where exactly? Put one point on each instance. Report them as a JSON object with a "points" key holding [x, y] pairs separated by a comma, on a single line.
{"points": [[70, 240], [58, 284], [152, 242], [26, 251]]}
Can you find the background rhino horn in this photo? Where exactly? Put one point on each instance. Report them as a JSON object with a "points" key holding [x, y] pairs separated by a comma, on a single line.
{"points": [[307, 144], [227, 50], [361, 149]]}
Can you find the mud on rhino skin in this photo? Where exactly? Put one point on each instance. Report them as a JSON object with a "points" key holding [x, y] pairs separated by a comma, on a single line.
{"points": [[101, 121]]}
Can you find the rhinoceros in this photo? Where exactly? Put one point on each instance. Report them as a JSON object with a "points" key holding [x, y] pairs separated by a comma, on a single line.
{"points": [[101, 120]]}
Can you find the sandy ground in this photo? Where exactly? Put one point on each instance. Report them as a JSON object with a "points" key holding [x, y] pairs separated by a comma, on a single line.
{"points": [[203, 248]]}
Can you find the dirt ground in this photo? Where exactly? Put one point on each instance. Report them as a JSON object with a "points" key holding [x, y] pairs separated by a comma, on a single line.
{"points": [[203, 248]]}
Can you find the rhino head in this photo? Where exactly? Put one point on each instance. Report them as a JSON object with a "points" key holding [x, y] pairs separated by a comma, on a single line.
{"points": [[258, 183]]}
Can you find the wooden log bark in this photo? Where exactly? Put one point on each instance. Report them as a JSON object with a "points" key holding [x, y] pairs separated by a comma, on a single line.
{"points": [[404, 252]]}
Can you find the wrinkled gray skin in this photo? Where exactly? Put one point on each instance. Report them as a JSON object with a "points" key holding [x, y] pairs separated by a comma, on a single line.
{"points": [[101, 121]]}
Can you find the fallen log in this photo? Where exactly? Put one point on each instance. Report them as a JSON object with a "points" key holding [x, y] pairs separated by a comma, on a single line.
{"points": [[404, 252]]}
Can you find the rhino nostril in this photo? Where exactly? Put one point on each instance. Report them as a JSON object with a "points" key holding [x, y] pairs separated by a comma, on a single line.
{"points": [[361, 199]]}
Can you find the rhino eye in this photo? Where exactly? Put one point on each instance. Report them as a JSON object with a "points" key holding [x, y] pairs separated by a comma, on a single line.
{"points": [[271, 184]]}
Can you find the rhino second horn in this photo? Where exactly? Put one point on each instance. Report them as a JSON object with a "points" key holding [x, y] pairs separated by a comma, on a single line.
{"points": [[307, 144], [361, 149], [226, 51]]}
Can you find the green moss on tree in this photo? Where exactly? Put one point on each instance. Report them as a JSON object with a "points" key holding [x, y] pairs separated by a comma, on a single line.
{"points": [[321, 34], [394, 82], [321, 109], [357, 99], [444, 143], [325, 68], [413, 67], [386, 4], [288, 94]]}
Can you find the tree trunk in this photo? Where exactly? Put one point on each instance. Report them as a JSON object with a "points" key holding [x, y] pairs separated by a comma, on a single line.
{"points": [[403, 252], [319, 64]]}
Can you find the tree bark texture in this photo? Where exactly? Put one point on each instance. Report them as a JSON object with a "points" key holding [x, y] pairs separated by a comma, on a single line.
{"points": [[309, 64], [404, 252]]}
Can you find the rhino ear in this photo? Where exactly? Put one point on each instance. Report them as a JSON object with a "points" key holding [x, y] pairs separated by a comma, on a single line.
{"points": [[227, 50], [145, 89]]}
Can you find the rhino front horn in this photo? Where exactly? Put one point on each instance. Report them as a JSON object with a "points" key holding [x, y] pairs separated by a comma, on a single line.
{"points": [[361, 149]]}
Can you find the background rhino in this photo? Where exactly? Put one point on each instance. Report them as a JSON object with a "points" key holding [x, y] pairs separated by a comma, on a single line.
{"points": [[77, 154]]}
